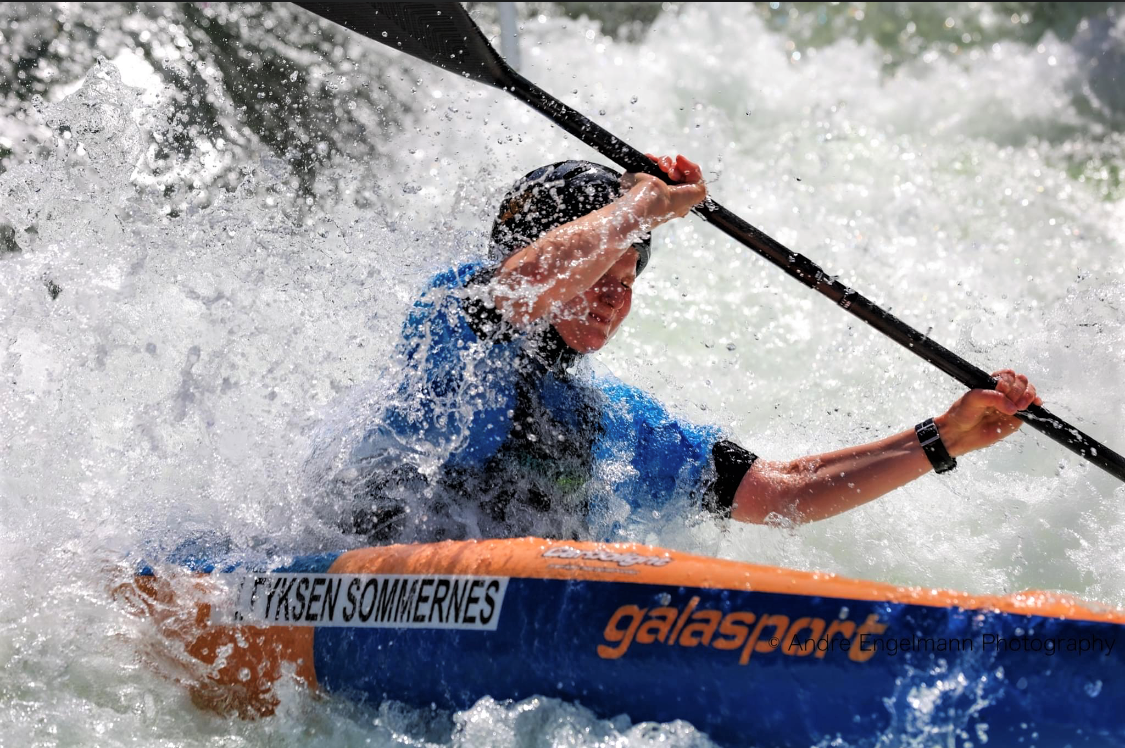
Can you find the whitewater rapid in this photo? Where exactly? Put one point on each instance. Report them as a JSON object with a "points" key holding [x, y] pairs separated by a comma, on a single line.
{"points": [[169, 368]]}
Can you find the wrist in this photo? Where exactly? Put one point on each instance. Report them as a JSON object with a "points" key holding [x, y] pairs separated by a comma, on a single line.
{"points": [[647, 205], [949, 436], [618, 225], [934, 447]]}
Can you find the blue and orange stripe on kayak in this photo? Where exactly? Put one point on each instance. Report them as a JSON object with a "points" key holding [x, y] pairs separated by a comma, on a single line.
{"points": [[529, 558]]}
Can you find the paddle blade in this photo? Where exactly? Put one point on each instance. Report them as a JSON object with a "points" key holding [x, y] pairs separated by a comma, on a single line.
{"points": [[442, 34]]}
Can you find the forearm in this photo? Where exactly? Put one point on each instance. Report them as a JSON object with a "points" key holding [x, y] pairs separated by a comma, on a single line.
{"points": [[820, 486], [567, 260]]}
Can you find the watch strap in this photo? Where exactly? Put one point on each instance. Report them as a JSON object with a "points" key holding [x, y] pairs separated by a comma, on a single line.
{"points": [[933, 446]]}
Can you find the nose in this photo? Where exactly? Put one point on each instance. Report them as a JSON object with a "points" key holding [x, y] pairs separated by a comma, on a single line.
{"points": [[614, 296]]}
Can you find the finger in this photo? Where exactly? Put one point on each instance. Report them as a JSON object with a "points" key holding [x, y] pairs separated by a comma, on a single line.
{"points": [[691, 170], [1018, 388], [1028, 396], [689, 188], [666, 163], [690, 173], [1005, 377], [982, 399], [1003, 386], [676, 175], [651, 157]]}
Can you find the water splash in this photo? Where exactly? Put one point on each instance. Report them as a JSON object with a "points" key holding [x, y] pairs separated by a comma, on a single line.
{"points": [[169, 366]]}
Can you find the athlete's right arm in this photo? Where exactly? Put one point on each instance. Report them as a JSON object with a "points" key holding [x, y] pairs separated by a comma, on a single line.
{"points": [[570, 258]]}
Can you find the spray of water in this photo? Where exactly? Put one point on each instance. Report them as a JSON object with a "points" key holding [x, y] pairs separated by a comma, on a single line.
{"points": [[170, 372]]}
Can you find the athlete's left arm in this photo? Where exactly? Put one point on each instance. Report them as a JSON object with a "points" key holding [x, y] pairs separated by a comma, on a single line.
{"points": [[821, 486]]}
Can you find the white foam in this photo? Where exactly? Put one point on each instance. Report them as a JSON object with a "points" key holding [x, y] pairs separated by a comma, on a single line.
{"points": [[183, 373]]}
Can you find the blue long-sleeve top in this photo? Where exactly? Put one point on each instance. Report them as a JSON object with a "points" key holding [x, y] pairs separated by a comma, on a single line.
{"points": [[495, 431]]}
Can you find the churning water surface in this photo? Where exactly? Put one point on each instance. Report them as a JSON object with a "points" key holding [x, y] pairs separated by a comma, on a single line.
{"points": [[169, 367]]}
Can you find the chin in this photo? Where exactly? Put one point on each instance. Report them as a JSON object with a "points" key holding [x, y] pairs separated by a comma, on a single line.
{"points": [[592, 346], [587, 344], [585, 341]]}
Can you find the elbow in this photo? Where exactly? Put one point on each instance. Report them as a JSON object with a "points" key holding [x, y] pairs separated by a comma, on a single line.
{"points": [[749, 512], [517, 301], [769, 512], [522, 290], [520, 311]]}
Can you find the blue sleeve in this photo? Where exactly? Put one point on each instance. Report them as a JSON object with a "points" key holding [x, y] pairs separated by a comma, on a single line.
{"points": [[455, 391], [666, 453]]}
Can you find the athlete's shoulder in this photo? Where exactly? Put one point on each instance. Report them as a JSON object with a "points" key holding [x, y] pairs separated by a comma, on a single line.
{"points": [[456, 277], [632, 409], [627, 400], [439, 303]]}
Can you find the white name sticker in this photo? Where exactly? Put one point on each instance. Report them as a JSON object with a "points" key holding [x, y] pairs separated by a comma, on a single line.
{"points": [[397, 601]]}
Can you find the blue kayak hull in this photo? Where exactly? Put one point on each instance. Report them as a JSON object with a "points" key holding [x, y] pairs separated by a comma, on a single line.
{"points": [[748, 654]]}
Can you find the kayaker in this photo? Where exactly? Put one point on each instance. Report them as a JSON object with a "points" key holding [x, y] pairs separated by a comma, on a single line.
{"points": [[500, 426]]}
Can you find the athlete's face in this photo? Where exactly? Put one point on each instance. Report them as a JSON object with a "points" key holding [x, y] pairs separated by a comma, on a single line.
{"points": [[590, 319]]}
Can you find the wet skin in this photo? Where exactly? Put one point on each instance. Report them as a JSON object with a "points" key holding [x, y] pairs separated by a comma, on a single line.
{"points": [[590, 319]]}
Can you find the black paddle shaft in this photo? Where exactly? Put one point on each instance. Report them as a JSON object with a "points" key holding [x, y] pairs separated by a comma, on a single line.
{"points": [[443, 34]]}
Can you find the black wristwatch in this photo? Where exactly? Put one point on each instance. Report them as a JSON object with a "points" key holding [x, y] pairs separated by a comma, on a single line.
{"points": [[933, 446]]}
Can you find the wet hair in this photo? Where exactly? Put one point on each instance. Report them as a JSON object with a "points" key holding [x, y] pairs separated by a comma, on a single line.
{"points": [[551, 196]]}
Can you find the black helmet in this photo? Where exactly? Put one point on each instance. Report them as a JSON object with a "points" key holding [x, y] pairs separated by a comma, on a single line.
{"points": [[551, 196]]}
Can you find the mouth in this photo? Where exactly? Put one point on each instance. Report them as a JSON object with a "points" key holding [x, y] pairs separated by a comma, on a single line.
{"points": [[598, 318]]}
